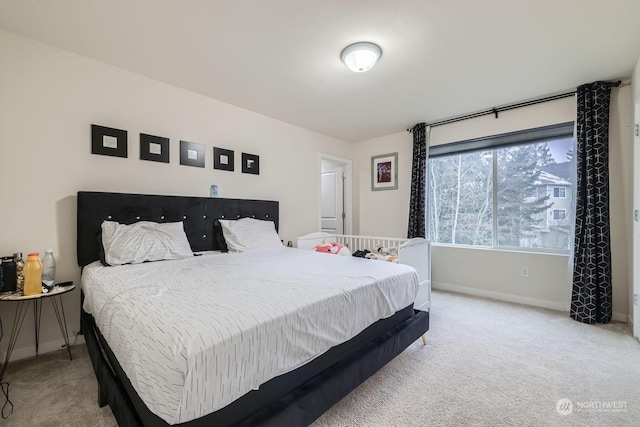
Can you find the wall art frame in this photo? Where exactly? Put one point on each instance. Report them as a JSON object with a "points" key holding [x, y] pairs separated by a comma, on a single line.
{"points": [[108, 141], [384, 172], [223, 159], [251, 163], [192, 154], [154, 148]]}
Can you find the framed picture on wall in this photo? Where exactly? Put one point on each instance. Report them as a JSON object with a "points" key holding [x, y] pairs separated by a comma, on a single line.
{"points": [[223, 159], [384, 172], [191, 154], [250, 163], [154, 148], [108, 141]]}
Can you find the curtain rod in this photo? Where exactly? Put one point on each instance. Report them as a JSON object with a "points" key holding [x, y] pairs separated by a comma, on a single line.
{"points": [[508, 107]]}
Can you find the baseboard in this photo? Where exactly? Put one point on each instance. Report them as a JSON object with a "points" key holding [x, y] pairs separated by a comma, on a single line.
{"points": [[620, 317], [43, 348], [534, 302]]}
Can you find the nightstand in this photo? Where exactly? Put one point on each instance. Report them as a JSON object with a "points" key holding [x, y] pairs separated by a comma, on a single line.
{"points": [[55, 296]]}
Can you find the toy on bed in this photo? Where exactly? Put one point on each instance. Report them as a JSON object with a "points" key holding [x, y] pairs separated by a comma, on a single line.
{"points": [[380, 253], [333, 248], [380, 257]]}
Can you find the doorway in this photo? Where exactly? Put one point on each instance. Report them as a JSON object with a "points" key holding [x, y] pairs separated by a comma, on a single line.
{"points": [[335, 194]]}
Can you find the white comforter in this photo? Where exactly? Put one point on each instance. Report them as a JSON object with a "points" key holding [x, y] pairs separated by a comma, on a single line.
{"points": [[194, 335]]}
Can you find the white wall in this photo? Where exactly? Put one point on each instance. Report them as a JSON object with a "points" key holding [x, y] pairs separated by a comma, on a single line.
{"points": [[635, 266], [48, 100], [496, 273], [621, 196], [382, 213]]}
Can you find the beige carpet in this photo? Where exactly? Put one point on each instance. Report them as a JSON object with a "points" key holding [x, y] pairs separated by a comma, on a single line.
{"points": [[487, 363]]}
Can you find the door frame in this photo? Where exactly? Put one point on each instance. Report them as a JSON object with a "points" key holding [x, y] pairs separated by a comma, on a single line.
{"points": [[634, 315], [348, 190]]}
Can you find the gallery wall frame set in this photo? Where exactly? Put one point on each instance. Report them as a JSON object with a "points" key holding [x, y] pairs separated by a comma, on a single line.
{"points": [[108, 141], [384, 172]]}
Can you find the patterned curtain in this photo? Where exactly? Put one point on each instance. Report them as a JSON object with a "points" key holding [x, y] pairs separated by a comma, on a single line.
{"points": [[591, 295], [417, 202]]}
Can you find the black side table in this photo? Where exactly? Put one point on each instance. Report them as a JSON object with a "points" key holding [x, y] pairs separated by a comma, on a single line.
{"points": [[55, 297]]}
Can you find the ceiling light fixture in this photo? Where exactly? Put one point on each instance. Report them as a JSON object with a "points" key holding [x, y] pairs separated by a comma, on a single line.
{"points": [[361, 57]]}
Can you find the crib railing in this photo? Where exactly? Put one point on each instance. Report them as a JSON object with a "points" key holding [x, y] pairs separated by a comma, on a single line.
{"points": [[355, 243]]}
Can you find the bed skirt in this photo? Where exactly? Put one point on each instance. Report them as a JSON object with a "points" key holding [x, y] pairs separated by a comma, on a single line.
{"points": [[360, 359]]}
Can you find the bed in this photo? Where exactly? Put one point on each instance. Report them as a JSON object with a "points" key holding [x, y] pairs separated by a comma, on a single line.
{"points": [[302, 391]]}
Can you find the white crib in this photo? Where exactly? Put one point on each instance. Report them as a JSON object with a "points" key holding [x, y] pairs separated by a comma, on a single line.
{"points": [[414, 252]]}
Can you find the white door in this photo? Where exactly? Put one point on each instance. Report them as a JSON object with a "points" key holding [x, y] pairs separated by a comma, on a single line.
{"points": [[332, 183], [636, 225]]}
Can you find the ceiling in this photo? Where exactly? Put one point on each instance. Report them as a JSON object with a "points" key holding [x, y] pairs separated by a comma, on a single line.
{"points": [[281, 58]]}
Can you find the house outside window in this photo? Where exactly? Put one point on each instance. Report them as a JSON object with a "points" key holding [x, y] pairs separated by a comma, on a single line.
{"points": [[501, 191]]}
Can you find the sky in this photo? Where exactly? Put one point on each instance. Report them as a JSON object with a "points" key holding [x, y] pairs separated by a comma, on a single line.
{"points": [[559, 149]]}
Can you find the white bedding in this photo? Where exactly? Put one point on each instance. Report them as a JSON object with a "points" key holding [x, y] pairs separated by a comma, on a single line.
{"points": [[193, 335]]}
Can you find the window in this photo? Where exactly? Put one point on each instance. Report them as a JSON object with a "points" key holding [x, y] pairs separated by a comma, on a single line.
{"points": [[559, 214], [498, 192]]}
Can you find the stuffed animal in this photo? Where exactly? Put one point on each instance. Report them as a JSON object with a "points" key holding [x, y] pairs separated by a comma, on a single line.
{"points": [[381, 250], [333, 248], [323, 247]]}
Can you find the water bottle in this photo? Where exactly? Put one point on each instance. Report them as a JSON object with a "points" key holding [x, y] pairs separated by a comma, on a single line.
{"points": [[33, 275], [48, 268]]}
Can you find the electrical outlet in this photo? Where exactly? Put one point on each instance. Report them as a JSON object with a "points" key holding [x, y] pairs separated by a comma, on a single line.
{"points": [[524, 271]]}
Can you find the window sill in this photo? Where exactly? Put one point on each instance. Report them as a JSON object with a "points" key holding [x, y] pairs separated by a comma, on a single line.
{"points": [[532, 251]]}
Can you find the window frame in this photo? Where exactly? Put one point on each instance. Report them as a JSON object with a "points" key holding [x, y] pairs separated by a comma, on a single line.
{"points": [[493, 143], [564, 214], [564, 192]]}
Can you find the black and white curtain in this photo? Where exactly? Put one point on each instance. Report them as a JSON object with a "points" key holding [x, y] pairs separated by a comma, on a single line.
{"points": [[591, 294], [417, 204]]}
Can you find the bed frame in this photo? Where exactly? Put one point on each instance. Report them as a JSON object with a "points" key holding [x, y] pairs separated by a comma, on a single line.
{"points": [[293, 399]]}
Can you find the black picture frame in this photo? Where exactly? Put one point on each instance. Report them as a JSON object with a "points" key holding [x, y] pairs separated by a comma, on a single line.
{"points": [[251, 163], [154, 148], [223, 159], [107, 141], [192, 154]]}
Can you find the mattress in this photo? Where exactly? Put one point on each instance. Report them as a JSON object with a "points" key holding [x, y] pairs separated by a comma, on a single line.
{"points": [[194, 335]]}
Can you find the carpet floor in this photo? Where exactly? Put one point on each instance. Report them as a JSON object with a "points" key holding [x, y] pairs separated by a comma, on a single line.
{"points": [[487, 363]]}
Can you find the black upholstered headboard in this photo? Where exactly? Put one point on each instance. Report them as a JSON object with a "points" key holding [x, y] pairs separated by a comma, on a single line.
{"points": [[198, 214]]}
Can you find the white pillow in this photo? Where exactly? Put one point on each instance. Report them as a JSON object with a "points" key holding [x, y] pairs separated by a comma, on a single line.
{"points": [[248, 233], [144, 241]]}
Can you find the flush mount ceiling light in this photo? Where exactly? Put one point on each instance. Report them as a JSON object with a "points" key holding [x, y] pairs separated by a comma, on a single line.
{"points": [[361, 57]]}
